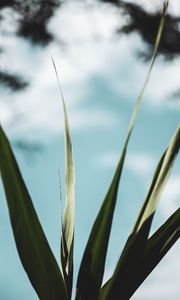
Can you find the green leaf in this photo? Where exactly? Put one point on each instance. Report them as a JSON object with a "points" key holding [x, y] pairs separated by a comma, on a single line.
{"points": [[158, 240], [130, 262], [67, 238], [92, 266], [160, 178], [32, 245], [93, 262], [156, 248], [159, 243]]}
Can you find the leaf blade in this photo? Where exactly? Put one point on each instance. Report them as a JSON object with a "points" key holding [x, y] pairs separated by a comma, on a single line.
{"points": [[67, 238], [136, 244], [93, 256], [157, 247], [32, 245], [160, 178]]}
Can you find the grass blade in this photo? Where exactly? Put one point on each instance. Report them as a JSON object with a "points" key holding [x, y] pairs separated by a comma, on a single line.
{"points": [[130, 261], [156, 248], [67, 238], [158, 244], [160, 178], [32, 245], [157, 241], [92, 265]]}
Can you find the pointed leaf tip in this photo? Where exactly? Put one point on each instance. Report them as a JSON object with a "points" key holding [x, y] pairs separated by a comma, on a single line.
{"points": [[67, 238]]}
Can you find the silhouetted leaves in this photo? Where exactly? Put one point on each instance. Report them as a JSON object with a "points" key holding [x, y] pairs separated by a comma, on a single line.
{"points": [[33, 18], [32, 21], [6, 3], [12, 81], [146, 23]]}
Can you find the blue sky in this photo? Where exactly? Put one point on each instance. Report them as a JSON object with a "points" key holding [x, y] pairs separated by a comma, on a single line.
{"points": [[101, 79]]}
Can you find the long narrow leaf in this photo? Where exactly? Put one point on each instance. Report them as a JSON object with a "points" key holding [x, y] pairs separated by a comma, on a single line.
{"points": [[161, 236], [67, 239], [159, 182], [157, 247], [32, 245], [92, 265], [131, 258]]}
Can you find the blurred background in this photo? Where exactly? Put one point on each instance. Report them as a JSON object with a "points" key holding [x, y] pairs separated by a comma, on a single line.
{"points": [[102, 51]]}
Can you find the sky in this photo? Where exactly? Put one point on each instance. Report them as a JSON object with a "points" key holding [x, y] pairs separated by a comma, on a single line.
{"points": [[101, 77]]}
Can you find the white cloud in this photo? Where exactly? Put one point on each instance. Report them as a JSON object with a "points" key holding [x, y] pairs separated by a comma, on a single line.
{"points": [[5, 113], [164, 80], [108, 160], [170, 196], [161, 86], [108, 57], [84, 22], [38, 105], [85, 56], [138, 163], [42, 116]]}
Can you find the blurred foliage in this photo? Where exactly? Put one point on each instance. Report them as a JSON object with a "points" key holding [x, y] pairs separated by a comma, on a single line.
{"points": [[33, 16], [146, 23], [13, 81], [32, 24]]}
